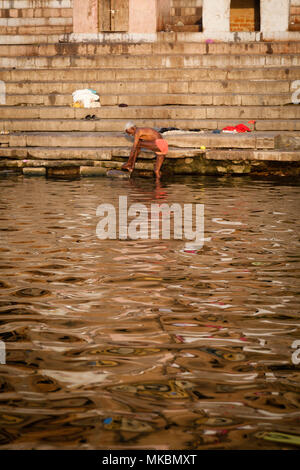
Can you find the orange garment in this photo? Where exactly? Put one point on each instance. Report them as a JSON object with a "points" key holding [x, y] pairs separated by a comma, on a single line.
{"points": [[163, 146]]}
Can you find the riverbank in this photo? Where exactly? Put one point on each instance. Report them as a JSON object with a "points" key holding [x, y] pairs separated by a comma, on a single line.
{"points": [[184, 84], [92, 154]]}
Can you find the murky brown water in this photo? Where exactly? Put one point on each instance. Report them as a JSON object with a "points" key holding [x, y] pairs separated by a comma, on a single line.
{"points": [[136, 344]]}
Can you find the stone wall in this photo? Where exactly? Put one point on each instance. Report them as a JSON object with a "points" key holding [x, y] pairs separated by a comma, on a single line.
{"points": [[20, 17]]}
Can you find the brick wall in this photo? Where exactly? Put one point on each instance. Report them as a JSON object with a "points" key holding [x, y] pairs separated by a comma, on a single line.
{"points": [[22, 17], [244, 15], [294, 16]]}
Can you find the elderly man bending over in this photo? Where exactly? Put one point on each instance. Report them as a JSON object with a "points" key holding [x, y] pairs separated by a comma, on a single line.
{"points": [[145, 137]]}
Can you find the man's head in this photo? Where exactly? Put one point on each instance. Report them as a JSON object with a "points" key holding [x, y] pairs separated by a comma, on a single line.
{"points": [[130, 128]]}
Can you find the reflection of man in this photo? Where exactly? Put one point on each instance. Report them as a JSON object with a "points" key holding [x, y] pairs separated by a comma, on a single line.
{"points": [[145, 137]]}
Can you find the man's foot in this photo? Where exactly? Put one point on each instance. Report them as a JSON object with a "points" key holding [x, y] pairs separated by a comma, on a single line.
{"points": [[127, 167]]}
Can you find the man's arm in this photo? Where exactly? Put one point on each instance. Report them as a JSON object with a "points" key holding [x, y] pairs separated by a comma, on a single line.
{"points": [[136, 141]]}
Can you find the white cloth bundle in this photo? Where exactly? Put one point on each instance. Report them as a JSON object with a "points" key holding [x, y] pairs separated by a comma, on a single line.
{"points": [[87, 97]]}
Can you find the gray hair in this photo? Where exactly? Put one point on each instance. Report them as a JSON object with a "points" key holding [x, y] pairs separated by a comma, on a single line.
{"points": [[129, 125]]}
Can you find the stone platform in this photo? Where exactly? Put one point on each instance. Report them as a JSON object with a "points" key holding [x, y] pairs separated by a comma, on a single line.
{"points": [[92, 154]]}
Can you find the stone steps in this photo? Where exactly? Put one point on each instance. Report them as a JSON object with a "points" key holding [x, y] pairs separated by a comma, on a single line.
{"points": [[151, 62], [160, 48], [217, 113], [156, 99], [192, 140], [84, 76], [155, 86], [49, 156], [30, 124], [187, 85], [87, 162], [89, 154]]}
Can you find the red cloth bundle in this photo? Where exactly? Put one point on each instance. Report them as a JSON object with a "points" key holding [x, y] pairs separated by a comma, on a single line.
{"points": [[240, 128]]}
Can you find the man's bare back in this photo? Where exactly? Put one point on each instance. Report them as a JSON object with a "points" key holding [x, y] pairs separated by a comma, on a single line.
{"points": [[146, 133]]}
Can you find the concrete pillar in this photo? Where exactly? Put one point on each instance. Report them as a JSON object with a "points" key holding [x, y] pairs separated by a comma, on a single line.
{"points": [[142, 16], [85, 16], [148, 16], [216, 15], [274, 15]]}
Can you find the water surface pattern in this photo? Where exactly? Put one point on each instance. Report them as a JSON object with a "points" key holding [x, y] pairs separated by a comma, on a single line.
{"points": [[136, 344]]}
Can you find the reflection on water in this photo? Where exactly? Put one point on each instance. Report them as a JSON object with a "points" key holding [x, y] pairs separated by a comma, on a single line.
{"points": [[123, 344]]}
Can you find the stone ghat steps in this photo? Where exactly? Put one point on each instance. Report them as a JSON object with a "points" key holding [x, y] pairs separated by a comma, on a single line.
{"points": [[117, 125], [85, 76], [152, 48], [114, 158], [151, 98], [76, 155], [87, 162], [155, 86], [254, 140], [156, 61], [169, 113]]}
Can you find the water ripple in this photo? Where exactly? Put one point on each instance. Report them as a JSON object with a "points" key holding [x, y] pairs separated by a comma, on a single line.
{"points": [[123, 344]]}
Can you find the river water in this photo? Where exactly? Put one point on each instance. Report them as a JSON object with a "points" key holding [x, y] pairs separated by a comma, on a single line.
{"points": [[139, 344]]}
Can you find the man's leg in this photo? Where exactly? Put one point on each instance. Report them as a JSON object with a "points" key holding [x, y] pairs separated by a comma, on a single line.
{"points": [[150, 145], [159, 161]]}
